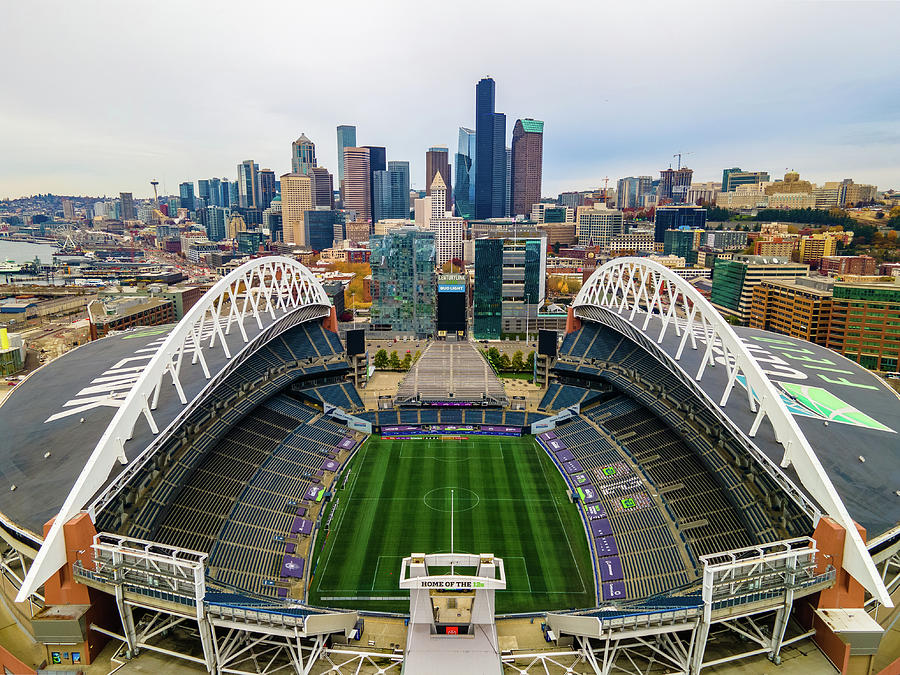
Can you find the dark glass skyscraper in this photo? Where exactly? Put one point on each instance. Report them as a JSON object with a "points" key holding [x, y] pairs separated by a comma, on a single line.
{"points": [[187, 195], [490, 153], [399, 172], [346, 138], [266, 179], [488, 290], [377, 162], [464, 187]]}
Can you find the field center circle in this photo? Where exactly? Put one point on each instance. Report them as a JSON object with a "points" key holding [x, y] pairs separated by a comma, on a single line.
{"points": [[439, 499]]}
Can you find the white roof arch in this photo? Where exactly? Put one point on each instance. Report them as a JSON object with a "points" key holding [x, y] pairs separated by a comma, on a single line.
{"points": [[261, 291], [640, 290]]}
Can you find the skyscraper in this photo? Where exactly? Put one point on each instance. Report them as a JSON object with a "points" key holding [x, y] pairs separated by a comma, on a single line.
{"points": [[526, 169], [266, 178], [464, 193], [377, 162], [674, 184], [346, 138], [733, 177], [216, 217], [203, 191], [357, 186], [381, 195], [437, 159], [296, 199], [127, 206], [248, 184], [399, 188], [186, 191], [215, 192], [510, 285], [490, 153], [507, 184], [630, 191], [448, 230], [404, 286], [303, 155], [322, 186]]}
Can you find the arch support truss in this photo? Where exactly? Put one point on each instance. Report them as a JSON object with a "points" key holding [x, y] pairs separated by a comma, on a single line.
{"points": [[651, 296], [260, 291]]}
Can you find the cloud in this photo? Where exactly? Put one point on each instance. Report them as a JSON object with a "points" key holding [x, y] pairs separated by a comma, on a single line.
{"points": [[100, 98]]}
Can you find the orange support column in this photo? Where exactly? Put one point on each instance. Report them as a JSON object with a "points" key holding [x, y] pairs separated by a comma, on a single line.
{"points": [[572, 323], [63, 589], [847, 593], [330, 322]]}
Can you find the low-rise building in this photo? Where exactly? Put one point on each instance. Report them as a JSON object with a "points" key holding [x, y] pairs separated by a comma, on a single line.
{"points": [[734, 280], [815, 246], [776, 247], [848, 264], [636, 242], [865, 323], [799, 307], [792, 200], [128, 312]]}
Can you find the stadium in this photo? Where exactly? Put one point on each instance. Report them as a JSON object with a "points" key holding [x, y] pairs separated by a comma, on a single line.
{"points": [[686, 494]]}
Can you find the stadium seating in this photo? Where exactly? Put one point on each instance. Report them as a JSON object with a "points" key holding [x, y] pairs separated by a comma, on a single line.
{"points": [[561, 396], [614, 359], [237, 504], [653, 560], [285, 359], [341, 394]]}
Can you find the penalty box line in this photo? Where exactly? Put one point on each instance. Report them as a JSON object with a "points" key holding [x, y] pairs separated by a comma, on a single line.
{"points": [[410, 451]]}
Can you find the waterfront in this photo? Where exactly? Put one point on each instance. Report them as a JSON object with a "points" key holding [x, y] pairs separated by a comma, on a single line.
{"points": [[22, 252]]}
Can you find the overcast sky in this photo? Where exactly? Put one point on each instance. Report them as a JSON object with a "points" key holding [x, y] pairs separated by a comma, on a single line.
{"points": [[100, 97]]}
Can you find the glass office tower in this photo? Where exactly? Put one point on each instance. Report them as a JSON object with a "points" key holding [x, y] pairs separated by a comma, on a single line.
{"points": [[404, 284], [464, 186], [488, 290]]}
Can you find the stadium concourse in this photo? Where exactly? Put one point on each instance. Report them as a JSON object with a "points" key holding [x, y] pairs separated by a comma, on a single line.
{"points": [[220, 494]]}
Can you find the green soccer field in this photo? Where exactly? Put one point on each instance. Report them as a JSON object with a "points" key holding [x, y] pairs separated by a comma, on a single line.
{"points": [[508, 499]]}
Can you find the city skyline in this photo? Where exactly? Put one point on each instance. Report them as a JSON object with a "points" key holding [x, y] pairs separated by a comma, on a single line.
{"points": [[834, 117]]}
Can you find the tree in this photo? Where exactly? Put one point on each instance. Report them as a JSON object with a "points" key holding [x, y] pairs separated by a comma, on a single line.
{"points": [[453, 266], [529, 361], [394, 361], [417, 355], [503, 362], [518, 363], [407, 361], [493, 354], [716, 214], [381, 359]]}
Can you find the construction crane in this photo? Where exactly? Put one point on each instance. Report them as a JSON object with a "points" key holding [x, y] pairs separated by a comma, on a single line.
{"points": [[606, 190], [678, 155]]}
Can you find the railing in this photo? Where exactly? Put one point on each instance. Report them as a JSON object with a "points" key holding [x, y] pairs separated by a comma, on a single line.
{"points": [[654, 618], [272, 617], [759, 596], [146, 591]]}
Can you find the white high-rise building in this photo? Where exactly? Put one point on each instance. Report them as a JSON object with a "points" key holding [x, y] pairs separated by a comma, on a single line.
{"points": [[296, 199], [448, 230]]}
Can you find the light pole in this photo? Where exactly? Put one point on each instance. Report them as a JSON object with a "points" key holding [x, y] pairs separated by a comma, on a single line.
{"points": [[353, 307]]}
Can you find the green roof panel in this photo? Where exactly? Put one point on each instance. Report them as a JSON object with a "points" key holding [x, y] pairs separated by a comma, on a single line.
{"points": [[533, 126]]}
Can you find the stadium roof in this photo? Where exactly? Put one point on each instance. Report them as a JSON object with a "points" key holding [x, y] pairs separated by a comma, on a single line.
{"points": [[63, 409], [845, 411]]}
